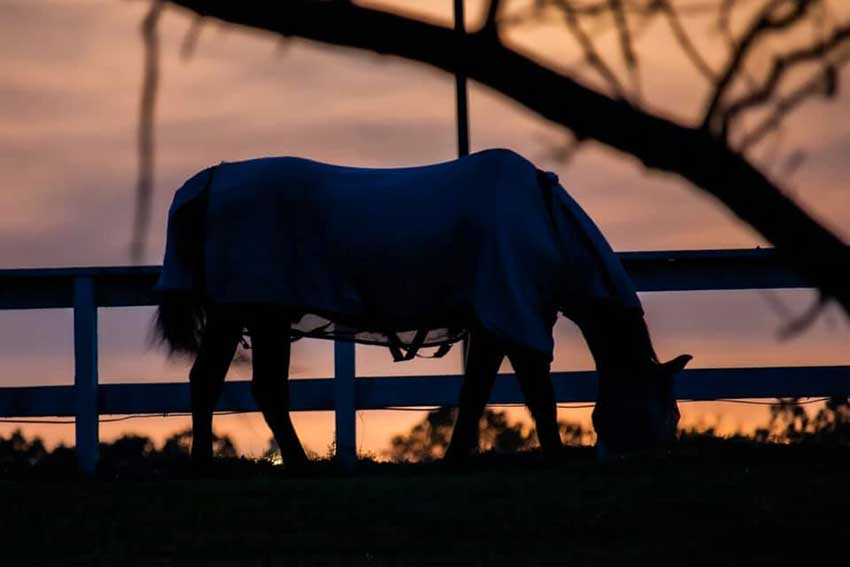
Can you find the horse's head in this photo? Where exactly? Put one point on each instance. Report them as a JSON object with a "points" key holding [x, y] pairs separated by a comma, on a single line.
{"points": [[636, 410]]}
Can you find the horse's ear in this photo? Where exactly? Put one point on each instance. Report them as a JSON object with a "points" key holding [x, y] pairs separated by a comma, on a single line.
{"points": [[677, 364]]}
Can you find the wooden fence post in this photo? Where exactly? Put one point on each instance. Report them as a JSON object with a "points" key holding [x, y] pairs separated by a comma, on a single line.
{"points": [[85, 373], [344, 404]]}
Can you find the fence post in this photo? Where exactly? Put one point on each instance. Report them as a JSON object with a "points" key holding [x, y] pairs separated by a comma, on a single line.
{"points": [[344, 404], [462, 116], [85, 373], [461, 98]]}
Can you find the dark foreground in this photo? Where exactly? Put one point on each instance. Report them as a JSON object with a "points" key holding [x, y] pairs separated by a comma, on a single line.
{"points": [[715, 502]]}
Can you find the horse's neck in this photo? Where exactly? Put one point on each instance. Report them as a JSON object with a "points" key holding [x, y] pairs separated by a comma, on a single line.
{"points": [[602, 350], [616, 338]]}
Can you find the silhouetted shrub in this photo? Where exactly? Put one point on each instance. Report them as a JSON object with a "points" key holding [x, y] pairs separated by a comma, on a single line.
{"points": [[429, 439]]}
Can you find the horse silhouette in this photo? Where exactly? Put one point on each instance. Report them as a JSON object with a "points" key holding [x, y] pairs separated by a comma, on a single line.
{"points": [[486, 246]]}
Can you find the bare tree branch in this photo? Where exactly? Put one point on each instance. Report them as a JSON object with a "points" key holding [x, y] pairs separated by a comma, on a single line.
{"points": [[144, 181], [590, 54], [770, 19], [803, 321], [724, 15], [625, 38], [684, 40], [822, 83], [792, 324], [697, 7], [190, 40], [537, 10], [490, 24], [723, 25], [781, 65], [565, 152]]}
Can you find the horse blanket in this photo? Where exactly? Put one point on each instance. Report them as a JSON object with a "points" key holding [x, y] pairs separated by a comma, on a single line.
{"points": [[407, 257]]}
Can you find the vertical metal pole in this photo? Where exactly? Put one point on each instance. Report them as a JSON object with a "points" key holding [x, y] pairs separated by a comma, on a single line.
{"points": [[460, 87], [85, 373], [462, 114], [344, 404]]}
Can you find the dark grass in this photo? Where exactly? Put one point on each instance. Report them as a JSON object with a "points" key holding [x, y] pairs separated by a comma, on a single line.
{"points": [[710, 502]]}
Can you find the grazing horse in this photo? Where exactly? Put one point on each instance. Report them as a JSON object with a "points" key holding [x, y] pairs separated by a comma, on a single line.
{"points": [[487, 245]]}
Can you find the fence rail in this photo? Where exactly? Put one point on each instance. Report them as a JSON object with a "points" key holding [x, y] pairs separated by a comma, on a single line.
{"points": [[87, 289]]}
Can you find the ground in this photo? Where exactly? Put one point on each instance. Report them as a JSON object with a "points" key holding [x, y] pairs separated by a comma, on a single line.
{"points": [[715, 502]]}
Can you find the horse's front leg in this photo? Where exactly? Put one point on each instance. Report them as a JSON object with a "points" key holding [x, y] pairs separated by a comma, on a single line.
{"points": [[270, 384], [482, 363], [218, 345], [532, 372]]}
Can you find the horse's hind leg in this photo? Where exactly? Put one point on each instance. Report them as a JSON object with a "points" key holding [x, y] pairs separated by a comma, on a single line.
{"points": [[532, 372], [270, 361], [483, 360], [218, 345]]}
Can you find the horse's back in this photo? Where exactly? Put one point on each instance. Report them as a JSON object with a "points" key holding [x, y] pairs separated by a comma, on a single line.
{"points": [[390, 241], [481, 180]]}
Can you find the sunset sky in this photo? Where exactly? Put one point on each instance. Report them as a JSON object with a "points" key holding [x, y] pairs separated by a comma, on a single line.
{"points": [[70, 83]]}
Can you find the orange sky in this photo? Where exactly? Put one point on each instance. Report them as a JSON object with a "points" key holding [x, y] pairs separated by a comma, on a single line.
{"points": [[70, 76]]}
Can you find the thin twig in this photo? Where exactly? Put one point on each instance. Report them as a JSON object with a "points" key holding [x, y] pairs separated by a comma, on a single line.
{"points": [[822, 83], [144, 181], [685, 42], [769, 19], [590, 54], [491, 25], [804, 320], [779, 69], [190, 40], [626, 48]]}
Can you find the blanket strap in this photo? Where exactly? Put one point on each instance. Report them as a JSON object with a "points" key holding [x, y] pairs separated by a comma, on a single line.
{"points": [[398, 351], [442, 351], [396, 348], [418, 341]]}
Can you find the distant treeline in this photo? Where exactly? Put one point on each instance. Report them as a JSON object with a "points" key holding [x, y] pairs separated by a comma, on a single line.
{"points": [[137, 455], [789, 422], [129, 455]]}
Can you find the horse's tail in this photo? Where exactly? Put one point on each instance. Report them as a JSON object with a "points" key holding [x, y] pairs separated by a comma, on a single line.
{"points": [[180, 321], [182, 314]]}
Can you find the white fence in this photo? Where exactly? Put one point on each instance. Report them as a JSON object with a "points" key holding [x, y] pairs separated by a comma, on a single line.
{"points": [[87, 289]]}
